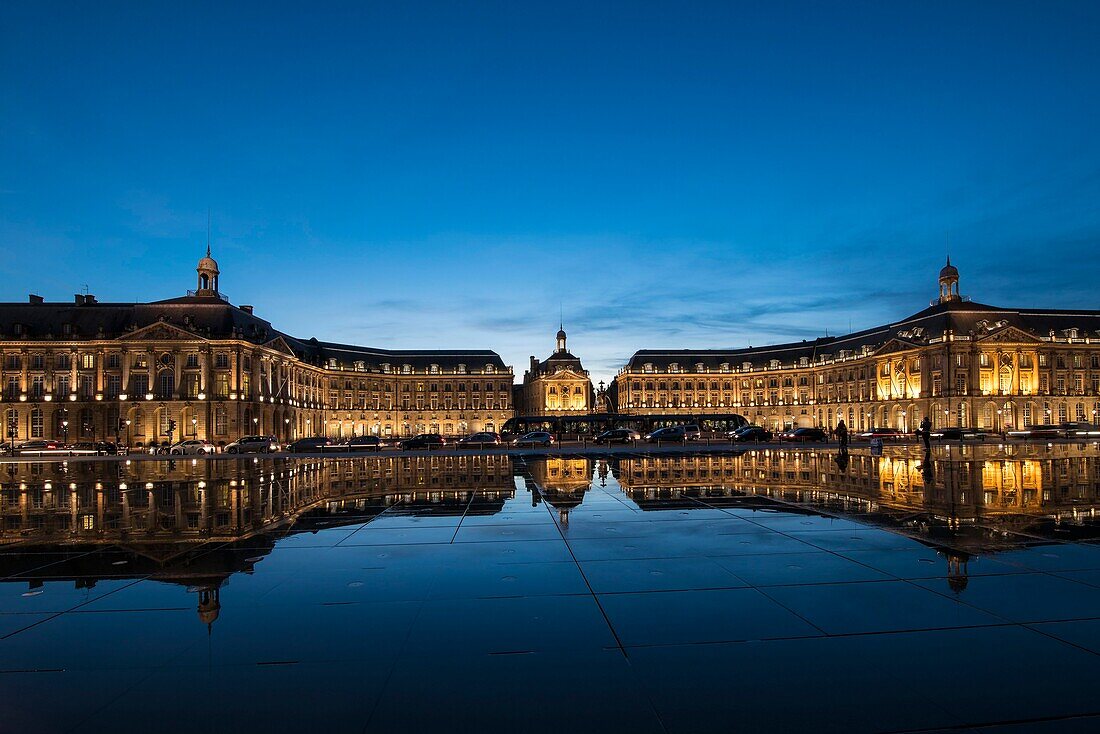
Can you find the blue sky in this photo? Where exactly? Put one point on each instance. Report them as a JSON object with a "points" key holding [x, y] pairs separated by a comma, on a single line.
{"points": [[446, 174]]}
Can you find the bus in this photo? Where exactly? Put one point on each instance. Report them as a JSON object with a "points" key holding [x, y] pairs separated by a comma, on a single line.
{"points": [[590, 425]]}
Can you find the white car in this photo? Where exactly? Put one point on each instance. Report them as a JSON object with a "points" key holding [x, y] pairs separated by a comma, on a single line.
{"points": [[191, 446]]}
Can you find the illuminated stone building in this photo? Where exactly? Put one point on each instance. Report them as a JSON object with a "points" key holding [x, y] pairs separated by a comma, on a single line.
{"points": [[99, 371], [558, 385], [959, 362]]}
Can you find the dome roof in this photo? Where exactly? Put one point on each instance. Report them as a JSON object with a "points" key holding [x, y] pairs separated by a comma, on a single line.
{"points": [[949, 271], [561, 333], [208, 263]]}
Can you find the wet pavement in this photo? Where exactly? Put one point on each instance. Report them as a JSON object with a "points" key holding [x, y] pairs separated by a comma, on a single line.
{"points": [[760, 591]]}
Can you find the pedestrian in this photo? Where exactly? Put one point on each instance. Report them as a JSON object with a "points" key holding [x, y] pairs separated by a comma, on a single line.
{"points": [[842, 434], [926, 433]]}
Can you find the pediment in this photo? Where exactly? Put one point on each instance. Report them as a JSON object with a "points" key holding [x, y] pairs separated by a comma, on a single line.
{"points": [[279, 345], [160, 331], [564, 375], [896, 345], [1010, 335]]}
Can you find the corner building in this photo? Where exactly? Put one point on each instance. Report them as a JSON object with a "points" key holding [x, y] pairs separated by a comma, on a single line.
{"points": [[959, 362], [105, 371], [558, 385]]}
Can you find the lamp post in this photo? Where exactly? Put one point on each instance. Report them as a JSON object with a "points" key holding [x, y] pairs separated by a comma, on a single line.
{"points": [[129, 440], [194, 427], [65, 430]]}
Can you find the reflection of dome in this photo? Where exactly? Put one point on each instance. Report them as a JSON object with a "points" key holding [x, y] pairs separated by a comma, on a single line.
{"points": [[209, 606]]}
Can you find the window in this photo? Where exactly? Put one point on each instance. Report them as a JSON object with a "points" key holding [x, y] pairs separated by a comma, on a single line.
{"points": [[87, 361], [114, 385], [221, 360], [192, 360], [166, 384], [36, 423], [221, 422], [113, 360]]}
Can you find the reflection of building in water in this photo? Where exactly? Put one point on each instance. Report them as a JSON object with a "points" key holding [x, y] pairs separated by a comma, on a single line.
{"points": [[198, 522], [562, 482], [961, 506], [1010, 489]]}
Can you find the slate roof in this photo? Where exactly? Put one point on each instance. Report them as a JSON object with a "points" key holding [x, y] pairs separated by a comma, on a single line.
{"points": [[212, 318], [960, 317]]}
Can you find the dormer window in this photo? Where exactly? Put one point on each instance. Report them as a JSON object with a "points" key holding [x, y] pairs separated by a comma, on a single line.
{"points": [[66, 329], [647, 367], [746, 366], [406, 369], [803, 361], [489, 369], [332, 363], [725, 367], [698, 366], [360, 366], [461, 369], [434, 369], [674, 367], [17, 329], [773, 364], [1071, 333]]}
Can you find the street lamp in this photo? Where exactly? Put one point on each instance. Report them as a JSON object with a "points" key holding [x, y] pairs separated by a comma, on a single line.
{"points": [[65, 430], [128, 439]]}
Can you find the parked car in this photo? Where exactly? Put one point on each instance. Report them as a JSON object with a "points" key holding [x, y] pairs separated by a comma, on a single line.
{"points": [[670, 433], [106, 448], [310, 444], [40, 448], [692, 432], [191, 446], [364, 443], [83, 448], [1079, 430], [958, 434], [423, 441], [802, 435], [886, 434], [1043, 431], [750, 433], [253, 445], [617, 435], [479, 440], [534, 438]]}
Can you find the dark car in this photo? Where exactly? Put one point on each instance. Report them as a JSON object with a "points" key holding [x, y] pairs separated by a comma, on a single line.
{"points": [[803, 435], [671, 433], [534, 438], [310, 444], [751, 433], [958, 434], [886, 434], [483, 439], [1040, 431], [40, 447], [364, 443], [253, 445], [423, 441], [617, 435]]}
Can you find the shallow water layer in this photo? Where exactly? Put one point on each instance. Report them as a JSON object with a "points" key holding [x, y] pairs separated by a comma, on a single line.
{"points": [[762, 590]]}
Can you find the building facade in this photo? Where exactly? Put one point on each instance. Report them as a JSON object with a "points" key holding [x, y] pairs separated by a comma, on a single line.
{"points": [[559, 385], [87, 371], [958, 362]]}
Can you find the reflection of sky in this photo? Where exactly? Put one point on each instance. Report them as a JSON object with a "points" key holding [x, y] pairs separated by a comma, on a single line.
{"points": [[708, 176]]}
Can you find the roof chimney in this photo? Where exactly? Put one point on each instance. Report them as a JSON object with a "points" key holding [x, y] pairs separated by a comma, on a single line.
{"points": [[246, 309], [79, 299], [36, 299]]}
